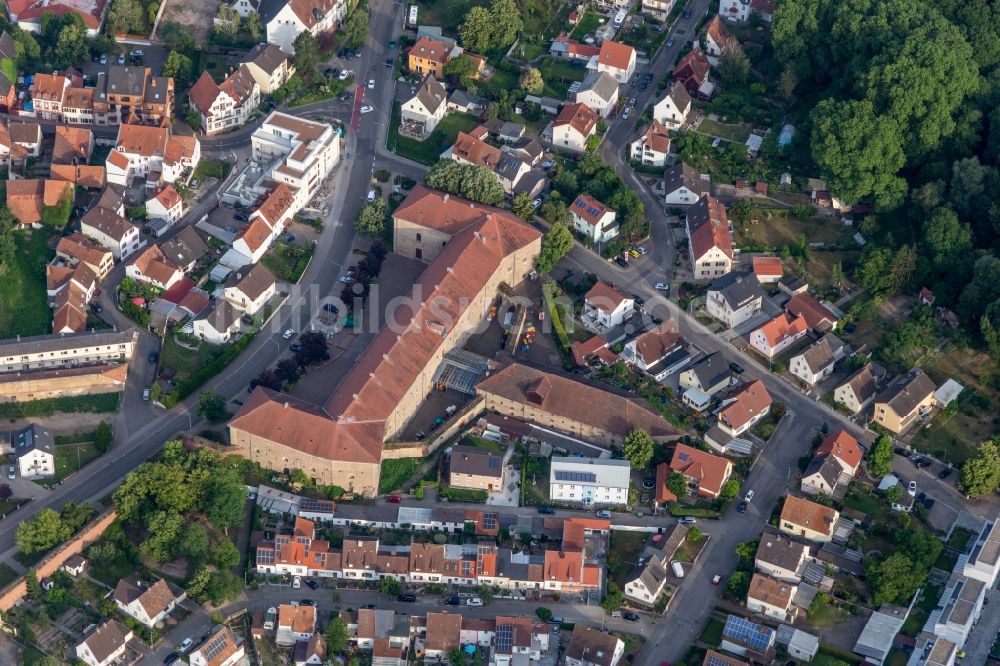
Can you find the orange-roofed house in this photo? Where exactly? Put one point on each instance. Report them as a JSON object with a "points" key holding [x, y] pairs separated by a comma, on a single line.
{"points": [[47, 94], [287, 19], [593, 219], [744, 408], [223, 647], [295, 623], [717, 39], [652, 146], [705, 472], [26, 199], [225, 105], [771, 597], [659, 352], [817, 316], [767, 269], [77, 248], [152, 267], [606, 307], [778, 335], [428, 56], [844, 448], [73, 145], [617, 60], [709, 242], [806, 519], [470, 149], [298, 553], [166, 204], [443, 634], [88, 177], [574, 125], [150, 152]]}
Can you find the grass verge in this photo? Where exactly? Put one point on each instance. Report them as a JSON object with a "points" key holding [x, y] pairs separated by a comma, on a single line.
{"points": [[396, 472]]}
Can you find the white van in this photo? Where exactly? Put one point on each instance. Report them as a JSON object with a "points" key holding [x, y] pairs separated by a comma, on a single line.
{"points": [[296, 582], [473, 601]]}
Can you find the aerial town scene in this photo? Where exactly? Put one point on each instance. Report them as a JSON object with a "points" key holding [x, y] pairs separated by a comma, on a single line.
{"points": [[499, 332]]}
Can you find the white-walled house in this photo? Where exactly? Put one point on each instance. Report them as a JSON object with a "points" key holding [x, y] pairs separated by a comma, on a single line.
{"points": [[858, 390], [771, 597], [684, 185], [672, 111], [218, 324], [250, 288], [607, 307], [112, 231], [286, 22], [34, 448], [740, 10], [744, 408], [573, 126], [421, 113], [778, 335], [593, 219], [166, 204], [153, 267], [106, 645], [589, 481], [659, 352], [599, 91], [148, 603], [617, 60], [710, 243], [734, 298], [225, 105], [269, 65], [816, 363], [652, 146]]}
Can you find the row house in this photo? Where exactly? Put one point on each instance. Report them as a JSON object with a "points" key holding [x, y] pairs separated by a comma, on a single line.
{"points": [[225, 105], [266, 224], [120, 94]]}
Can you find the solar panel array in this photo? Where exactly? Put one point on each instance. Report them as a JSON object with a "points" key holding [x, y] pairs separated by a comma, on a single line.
{"points": [[316, 506], [589, 477], [751, 634], [494, 463], [682, 455], [716, 660], [489, 521], [505, 638], [215, 646], [265, 556]]}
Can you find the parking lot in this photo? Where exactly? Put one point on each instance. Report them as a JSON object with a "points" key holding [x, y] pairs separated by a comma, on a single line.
{"points": [[152, 57]]}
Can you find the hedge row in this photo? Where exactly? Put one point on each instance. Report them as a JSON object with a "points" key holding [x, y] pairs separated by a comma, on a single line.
{"points": [[206, 372], [101, 402]]}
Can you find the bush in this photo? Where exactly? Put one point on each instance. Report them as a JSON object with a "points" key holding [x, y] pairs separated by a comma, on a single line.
{"points": [[102, 402], [206, 372], [382, 175]]}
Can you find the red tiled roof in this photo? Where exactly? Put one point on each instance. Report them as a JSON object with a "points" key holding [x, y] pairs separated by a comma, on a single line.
{"points": [[768, 267], [589, 209], [475, 150], [616, 54], [710, 471], [565, 567], [72, 143], [604, 297], [781, 327], [816, 315], [694, 65], [842, 446], [430, 49], [751, 400], [580, 116], [709, 227], [803, 513]]}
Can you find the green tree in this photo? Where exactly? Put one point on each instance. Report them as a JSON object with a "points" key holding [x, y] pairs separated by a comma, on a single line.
{"points": [[531, 81], [254, 26], [556, 244], [738, 584], [747, 551], [72, 46], [337, 635], [895, 580], [730, 489], [880, 456], [225, 503], [307, 55], [859, 151], [677, 484], [74, 516], [103, 437], [946, 237], [197, 586], [225, 555], [193, 542], [613, 597], [893, 494], [178, 66], [472, 181], [125, 16], [694, 535], [460, 70], [371, 218], [981, 472], [227, 21], [522, 207], [356, 28], [177, 37], [390, 586], [506, 22], [734, 65], [543, 613], [164, 529], [212, 406], [476, 30], [34, 588], [638, 448], [42, 532]]}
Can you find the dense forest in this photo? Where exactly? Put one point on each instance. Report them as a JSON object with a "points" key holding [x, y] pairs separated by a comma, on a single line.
{"points": [[903, 98]]}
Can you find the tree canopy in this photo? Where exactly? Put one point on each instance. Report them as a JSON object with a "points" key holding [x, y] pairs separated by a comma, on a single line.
{"points": [[880, 456], [981, 472], [638, 448], [472, 181], [556, 243]]}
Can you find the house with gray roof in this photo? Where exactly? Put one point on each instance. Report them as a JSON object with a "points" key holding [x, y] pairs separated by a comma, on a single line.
{"points": [[880, 631], [465, 102], [684, 185], [709, 375], [821, 476], [649, 577], [424, 109], [218, 324], [905, 401], [673, 109], [34, 447], [816, 363], [858, 390], [734, 298], [599, 91], [781, 557]]}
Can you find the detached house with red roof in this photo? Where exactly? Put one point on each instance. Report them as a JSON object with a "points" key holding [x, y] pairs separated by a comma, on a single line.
{"points": [[744, 408], [709, 241], [836, 462], [806, 519], [705, 472], [27, 14], [574, 125], [428, 56], [778, 335], [617, 60], [151, 152], [692, 73], [225, 105], [605, 307], [659, 352], [154, 268], [286, 20], [652, 146], [717, 38], [817, 316], [166, 204], [593, 219]]}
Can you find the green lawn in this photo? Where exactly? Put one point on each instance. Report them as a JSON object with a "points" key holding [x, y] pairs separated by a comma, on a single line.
{"points": [[464, 494], [625, 549], [558, 75], [7, 575], [215, 65], [481, 443], [712, 633], [184, 360], [209, 168], [739, 133], [587, 24], [868, 504], [24, 306], [287, 260], [73, 457], [396, 472], [429, 150], [826, 657]]}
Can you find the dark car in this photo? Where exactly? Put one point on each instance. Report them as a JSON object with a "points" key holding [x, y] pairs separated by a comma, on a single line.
{"points": [[393, 499], [621, 261], [407, 597], [154, 358], [899, 451], [945, 473], [639, 300], [929, 503], [389, 62], [312, 585], [241, 217], [921, 462], [741, 507], [97, 307], [171, 658], [452, 601], [295, 346], [341, 53], [630, 616], [369, 606], [306, 602], [330, 307], [546, 509], [686, 14], [773, 292], [737, 368]]}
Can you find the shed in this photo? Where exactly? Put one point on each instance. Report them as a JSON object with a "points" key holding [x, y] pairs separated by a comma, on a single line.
{"points": [[948, 392]]}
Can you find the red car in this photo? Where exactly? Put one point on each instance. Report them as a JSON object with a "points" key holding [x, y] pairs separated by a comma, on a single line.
{"points": [[393, 499]]}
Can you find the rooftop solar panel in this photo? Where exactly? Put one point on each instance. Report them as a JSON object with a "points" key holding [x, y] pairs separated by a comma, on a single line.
{"points": [[505, 638], [716, 660], [489, 521], [214, 646], [576, 476], [754, 636]]}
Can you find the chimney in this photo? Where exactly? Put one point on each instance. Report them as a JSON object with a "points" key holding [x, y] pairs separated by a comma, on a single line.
{"points": [[286, 405]]}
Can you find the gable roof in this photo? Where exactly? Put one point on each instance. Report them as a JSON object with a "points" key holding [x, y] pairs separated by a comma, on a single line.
{"points": [[601, 84], [579, 116], [718, 31], [679, 95], [78, 246], [309, 12], [299, 618], [682, 175], [26, 199], [656, 137], [185, 247], [780, 551], [606, 298], [910, 390], [253, 282], [444, 631], [708, 227], [29, 133], [709, 470], [154, 599], [72, 143], [592, 646], [108, 222], [770, 591], [431, 94], [91, 177], [145, 140], [478, 462], [589, 209], [107, 639], [152, 263], [737, 288], [711, 370], [615, 54], [767, 267], [822, 353], [750, 401], [267, 57], [204, 92], [842, 446], [863, 383], [803, 513], [219, 646], [817, 316], [430, 49], [694, 65], [656, 343], [167, 197], [826, 467], [475, 150], [782, 327]]}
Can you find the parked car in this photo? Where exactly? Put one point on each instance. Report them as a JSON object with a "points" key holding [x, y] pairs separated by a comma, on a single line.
{"points": [[306, 602], [154, 357], [241, 217], [773, 292], [173, 656], [371, 84], [371, 195], [900, 451], [312, 585], [288, 334], [11, 472], [556, 619], [749, 496], [453, 601], [687, 520], [393, 499], [911, 488], [670, 41], [603, 513], [536, 203], [546, 510], [296, 582], [623, 262], [662, 286], [345, 74], [121, 59], [389, 62], [737, 368], [945, 473], [473, 601], [921, 462], [408, 597], [741, 507], [348, 277], [392, 44], [145, 393], [630, 616], [716, 579], [104, 59]]}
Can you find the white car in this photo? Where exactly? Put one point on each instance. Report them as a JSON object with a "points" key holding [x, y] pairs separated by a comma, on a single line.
{"points": [[371, 195], [749, 495], [348, 277], [641, 250], [371, 84], [367, 109], [912, 488], [344, 74], [628, 110], [288, 334], [185, 645], [536, 203], [473, 601], [296, 582], [662, 286]]}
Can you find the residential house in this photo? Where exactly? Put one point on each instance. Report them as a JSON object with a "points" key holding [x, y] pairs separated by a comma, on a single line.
{"points": [[428, 56], [574, 125], [816, 363], [842, 447], [223, 647], [226, 105], [219, 324], [472, 149], [153, 267], [185, 248], [599, 91], [606, 307], [806, 519], [75, 565], [858, 390], [939, 652], [767, 269], [77, 249], [151, 152], [659, 352], [734, 298], [87, 177], [713, 658], [744, 408], [285, 22], [298, 553], [26, 135], [781, 558], [709, 242], [8, 92], [69, 289], [740, 10], [373, 624], [35, 450], [78, 106], [592, 647], [902, 403], [295, 623], [692, 73], [313, 651], [269, 66], [716, 39], [266, 224], [421, 113], [47, 94], [649, 577], [778, 335], [771, 597], [652, 146], [821, 477], [672, 111], [244, 8], [148, 603], [709, 375], [106, 645], [463, 101], [564, 47], [471, 467], [250, 288], [962, 601], [617, 60], [748, 639], [111, 231], [658, 10], [984, 561], [443, 634], [166, 204], [684, 185], [590, 481], [73, 145], [817, 316], [593, 219], [705, 472]]}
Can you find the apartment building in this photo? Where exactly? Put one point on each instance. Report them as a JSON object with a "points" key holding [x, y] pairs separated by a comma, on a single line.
{"points": [[152, 153], [589, 481], [225, 105], [44, 352]]}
